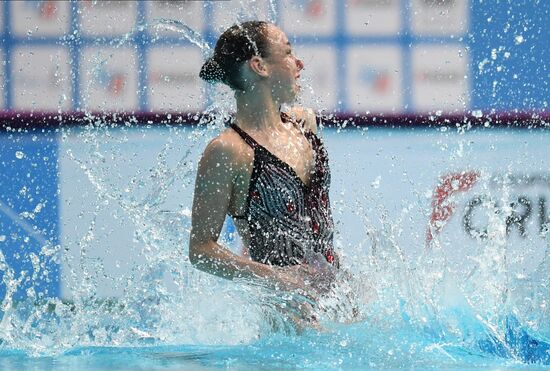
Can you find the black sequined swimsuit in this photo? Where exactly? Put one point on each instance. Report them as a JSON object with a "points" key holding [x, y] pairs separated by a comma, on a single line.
{"points": [[286, 217]]}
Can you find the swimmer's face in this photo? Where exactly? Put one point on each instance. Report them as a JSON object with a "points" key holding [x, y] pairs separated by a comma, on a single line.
{"points": [[284, 67]]}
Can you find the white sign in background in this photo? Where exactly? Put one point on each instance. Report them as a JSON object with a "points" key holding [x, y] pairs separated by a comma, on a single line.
{"points": [[376, 175], [173, 79], [392, 175], [41, 78], [374, 78], [300, 18], [227, 13], [128, 155], [40, 18], [319, 77], [440, 78], [373, 17], [107, 18], [191, 13], [508, 204], [440, 18], [109, 78], [310, 17]]}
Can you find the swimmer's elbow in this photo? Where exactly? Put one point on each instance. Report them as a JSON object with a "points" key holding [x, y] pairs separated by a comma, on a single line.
{"points": [[195, 255], [196, 252], [207, 258], [200, 254]]}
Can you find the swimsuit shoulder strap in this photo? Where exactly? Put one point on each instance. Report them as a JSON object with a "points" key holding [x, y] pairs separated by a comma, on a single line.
{"points": [[247, 138], [252, 143]]}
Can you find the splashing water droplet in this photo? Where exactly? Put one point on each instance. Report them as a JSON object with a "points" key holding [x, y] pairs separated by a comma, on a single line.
{"points": [[186, 32], [477, 113], [518, 39], [19, 155]]}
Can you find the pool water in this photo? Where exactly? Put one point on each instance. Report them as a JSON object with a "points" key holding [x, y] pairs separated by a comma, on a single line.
{"points": [[358, 346]]}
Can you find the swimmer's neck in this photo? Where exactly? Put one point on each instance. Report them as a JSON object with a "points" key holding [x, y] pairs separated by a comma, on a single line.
{"points": [[257, 110]]}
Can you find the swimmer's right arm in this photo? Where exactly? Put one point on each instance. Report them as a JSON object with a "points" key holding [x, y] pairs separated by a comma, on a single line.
{"points": [[218, 169]]}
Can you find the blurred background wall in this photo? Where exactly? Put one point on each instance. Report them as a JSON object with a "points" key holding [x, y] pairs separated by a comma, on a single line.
{"points": [[402, 56]]}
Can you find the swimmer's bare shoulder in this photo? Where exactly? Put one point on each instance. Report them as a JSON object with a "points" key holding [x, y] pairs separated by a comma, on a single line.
{"points": [[305, 114], [227, 164], [230, 150], [239, 154]]}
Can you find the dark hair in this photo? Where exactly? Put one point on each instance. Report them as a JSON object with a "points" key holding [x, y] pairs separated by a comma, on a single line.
{"points": [[235, 46]]}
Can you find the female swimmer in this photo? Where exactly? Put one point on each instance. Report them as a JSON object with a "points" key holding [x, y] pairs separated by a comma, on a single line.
{"points": [[268, 170]]}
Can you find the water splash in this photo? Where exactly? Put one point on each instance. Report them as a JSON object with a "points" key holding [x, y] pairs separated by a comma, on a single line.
{"points": [[186, 33]]}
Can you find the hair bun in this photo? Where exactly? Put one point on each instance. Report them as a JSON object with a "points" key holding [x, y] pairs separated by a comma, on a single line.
{"points": [[211, 71]]}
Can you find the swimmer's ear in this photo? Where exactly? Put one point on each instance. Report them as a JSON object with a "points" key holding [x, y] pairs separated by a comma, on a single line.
{"points": [[258, 65]]}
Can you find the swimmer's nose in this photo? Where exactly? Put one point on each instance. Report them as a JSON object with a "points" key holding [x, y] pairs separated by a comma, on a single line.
{"points": [[300, 64]]}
